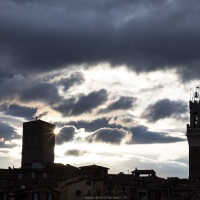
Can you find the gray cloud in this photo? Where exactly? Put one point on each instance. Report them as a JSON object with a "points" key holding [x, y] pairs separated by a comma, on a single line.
{"points": [[74, 152], [82, 103], [144, 35], [7, 132], [123, 103], [66, 134], [11, 86], [19, 111], [103, 131], [75, 78], [4, 145], [91, 126], [165, 108], [141, 135], [45, 92], [42, 114], [108, 135]]}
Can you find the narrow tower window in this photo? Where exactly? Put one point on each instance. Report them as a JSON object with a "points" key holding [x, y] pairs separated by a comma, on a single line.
{"points": [[195, 119]]}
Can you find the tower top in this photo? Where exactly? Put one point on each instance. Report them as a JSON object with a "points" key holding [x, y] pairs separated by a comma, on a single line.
{"points": [[196, 96]]}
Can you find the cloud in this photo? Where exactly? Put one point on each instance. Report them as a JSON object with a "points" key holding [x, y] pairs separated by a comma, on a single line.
{"points": [[11, 86], [91, 126], [19, 111], [165, 108], [108, 135], [82, 103], [141, 135], [66, 134], [6, 145], [74, 152], [118, 32], [45, 92], [42, 114], [75, 78], [123, 103], [7, 132]]}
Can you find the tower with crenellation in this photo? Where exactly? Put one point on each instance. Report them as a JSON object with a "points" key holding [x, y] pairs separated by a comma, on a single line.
{"points": [[193, 137]]}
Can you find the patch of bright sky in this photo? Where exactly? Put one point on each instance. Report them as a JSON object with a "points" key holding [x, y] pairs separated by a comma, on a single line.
{"points": [[157, 156]]}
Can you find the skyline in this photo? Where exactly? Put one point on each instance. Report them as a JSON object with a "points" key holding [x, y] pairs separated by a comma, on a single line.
{"points": [[114, 77]]}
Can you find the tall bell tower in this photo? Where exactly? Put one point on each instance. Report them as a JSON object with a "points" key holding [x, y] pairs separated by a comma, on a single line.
{"points": [[193, 137]]}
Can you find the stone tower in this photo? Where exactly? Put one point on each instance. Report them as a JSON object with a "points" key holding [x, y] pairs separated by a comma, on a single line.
{"points": [[38, 143], [193, 136]]}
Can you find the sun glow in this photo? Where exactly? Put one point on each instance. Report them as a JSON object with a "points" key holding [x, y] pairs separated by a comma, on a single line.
{"points": [[57, 131]]}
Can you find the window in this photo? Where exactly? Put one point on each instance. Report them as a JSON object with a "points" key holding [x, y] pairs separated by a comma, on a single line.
{"points": [[88, 182], [50, 196], [44, 175], [88, 193], [5, 196], [132, 190], [23, 187], [78, 192], [35, 196], [3, 180], [195, 119], [20, 176], [33, 174], [142, 195]]}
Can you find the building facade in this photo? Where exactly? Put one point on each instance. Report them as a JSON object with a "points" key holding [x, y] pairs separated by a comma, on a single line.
{"points": [[38, 143], [193, 136]]}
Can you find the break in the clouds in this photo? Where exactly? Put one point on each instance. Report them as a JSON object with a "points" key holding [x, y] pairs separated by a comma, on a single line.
{"points": [[108, 135], [117, 32], [75, 78], [123, 103], [7, 132], [74, 152], [165, 108], [82, 103], [19, 111], [141, 135], [66, 134]]}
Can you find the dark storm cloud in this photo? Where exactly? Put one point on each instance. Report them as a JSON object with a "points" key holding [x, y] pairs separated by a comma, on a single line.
{"points": [[165, 108], [11, 86], [19, 111], [74, 152], [123, 103], [82, 103], [144, 35], [7, 132], [75, 78], [66, 134], [4, 76], [45, 92], [107, 135], [141, 135]]}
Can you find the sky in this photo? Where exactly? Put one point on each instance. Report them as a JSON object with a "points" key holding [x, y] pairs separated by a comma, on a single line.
{"points": [[114, 76]]}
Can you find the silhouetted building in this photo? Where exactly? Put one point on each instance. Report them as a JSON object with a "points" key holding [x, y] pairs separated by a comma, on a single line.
{"points": [[94, 171], [38, 143], [193, 136]]}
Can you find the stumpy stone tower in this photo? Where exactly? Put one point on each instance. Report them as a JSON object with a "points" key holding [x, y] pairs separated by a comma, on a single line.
{"points": [[38, 143], [193, 136]]}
